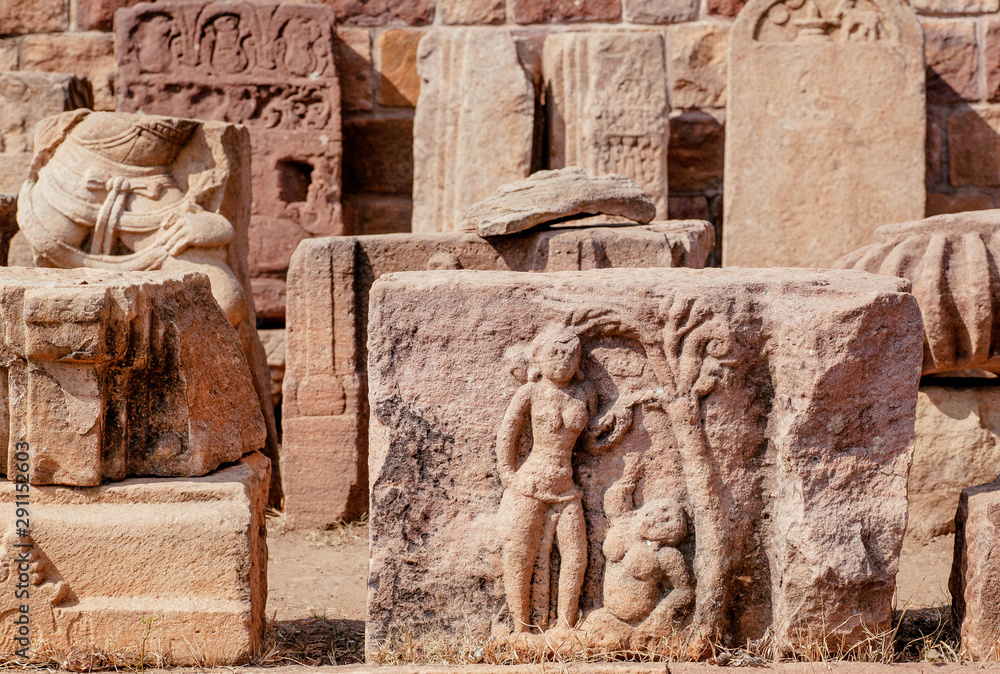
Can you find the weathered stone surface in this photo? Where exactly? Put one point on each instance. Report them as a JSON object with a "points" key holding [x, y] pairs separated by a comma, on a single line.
{"points": [[38, 16], [474, 126], [937, 123], [607, 106], [689, 208], [975, 570], [354, 69], [400, 83], [378, 156], [378, 214], [325, 409], [268, 66], [9, 57], [274, 347], [557, 195], [98, 14], [956, 6], [565, 11], [185, 558], [8, 224], [25, 99], [957, 444], [467, 12], [698, 54], [90, 55], [951, 260], [742, 442], [725, 7], [973, 144], [381, 12], [661, 11], [801, 187], [951, 54], [960, 202], [137, 193], [107, 377]]}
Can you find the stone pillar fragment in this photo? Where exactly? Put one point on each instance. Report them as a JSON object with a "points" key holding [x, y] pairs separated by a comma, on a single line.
{"points": [[325, 404], [141, 568], [25, 99], [975, 572], [825, 127], [474, 125], [268, 66], [607, 109]]}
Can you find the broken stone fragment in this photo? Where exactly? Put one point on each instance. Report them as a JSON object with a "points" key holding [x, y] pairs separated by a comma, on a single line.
{"points": [[560, 194], [108, 375], [951, 260], [975, 571]]}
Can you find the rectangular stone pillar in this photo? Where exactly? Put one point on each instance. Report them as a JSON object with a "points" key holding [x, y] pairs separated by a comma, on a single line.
{"points": [[325, 406], [474, 126], [825, 127], [268, 66], [607, 109]]}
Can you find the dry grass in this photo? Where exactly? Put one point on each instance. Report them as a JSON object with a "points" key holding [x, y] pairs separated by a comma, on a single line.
{"points": [[337, 534]]}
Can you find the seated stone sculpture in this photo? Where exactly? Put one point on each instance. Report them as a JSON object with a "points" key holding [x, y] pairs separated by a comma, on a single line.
{"points": [[103, 193]]}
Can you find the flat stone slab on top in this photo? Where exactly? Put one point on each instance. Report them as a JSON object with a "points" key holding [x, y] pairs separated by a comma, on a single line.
{"points": [[742, 441]]}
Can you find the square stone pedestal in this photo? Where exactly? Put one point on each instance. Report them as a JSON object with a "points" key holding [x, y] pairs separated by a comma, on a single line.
{"points": [[167, 566]]}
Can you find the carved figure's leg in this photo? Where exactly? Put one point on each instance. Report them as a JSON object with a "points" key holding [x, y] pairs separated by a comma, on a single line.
{"points": [[571, 537], [225, 287], [523, 520]]}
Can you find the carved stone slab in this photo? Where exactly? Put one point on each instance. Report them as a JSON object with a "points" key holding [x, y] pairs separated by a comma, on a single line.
{"points": [[106, 375], [270, 67], [185, 558], [473, 129], [25, 98], [711, 453], [127, 192], [825, 128], [606, 101], [952, 262], [325, 409], [975, 570]]}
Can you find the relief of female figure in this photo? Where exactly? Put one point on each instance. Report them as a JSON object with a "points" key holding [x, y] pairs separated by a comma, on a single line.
{"points": [[541, 503]]}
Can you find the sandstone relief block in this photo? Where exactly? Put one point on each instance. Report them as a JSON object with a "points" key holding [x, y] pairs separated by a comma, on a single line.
{"points": [[619, 456], [25, 99], [951, 260], [325, 406], [606, 103], [122, 192], [106, 376], [186, 557], [817, 90], [270, 67], [474, 125]]}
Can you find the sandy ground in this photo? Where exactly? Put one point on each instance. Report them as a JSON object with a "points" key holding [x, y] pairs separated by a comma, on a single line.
{"points": [[317, 584]]}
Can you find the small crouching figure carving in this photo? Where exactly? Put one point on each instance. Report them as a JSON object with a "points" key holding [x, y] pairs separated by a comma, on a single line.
{"points": [[541, 503], [646, 579]]}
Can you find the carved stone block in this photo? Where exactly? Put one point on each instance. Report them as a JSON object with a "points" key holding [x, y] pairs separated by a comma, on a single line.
{"points": [[325, 407], [25, 99], [106, 375], [268, 66], [606, 101], [185, 559], [125, 192], [620, 456], [975, 571], [825, 128], [473, 129], [8, 224], [952, 262], [957, 444]]}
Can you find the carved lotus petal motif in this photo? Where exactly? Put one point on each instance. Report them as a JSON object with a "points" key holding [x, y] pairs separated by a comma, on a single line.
{"points": [[951, 261]]}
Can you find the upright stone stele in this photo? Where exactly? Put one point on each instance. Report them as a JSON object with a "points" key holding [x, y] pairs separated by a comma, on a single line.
{"points": [[825, 129], [266, 65], [474, 126], [606, 102]]}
